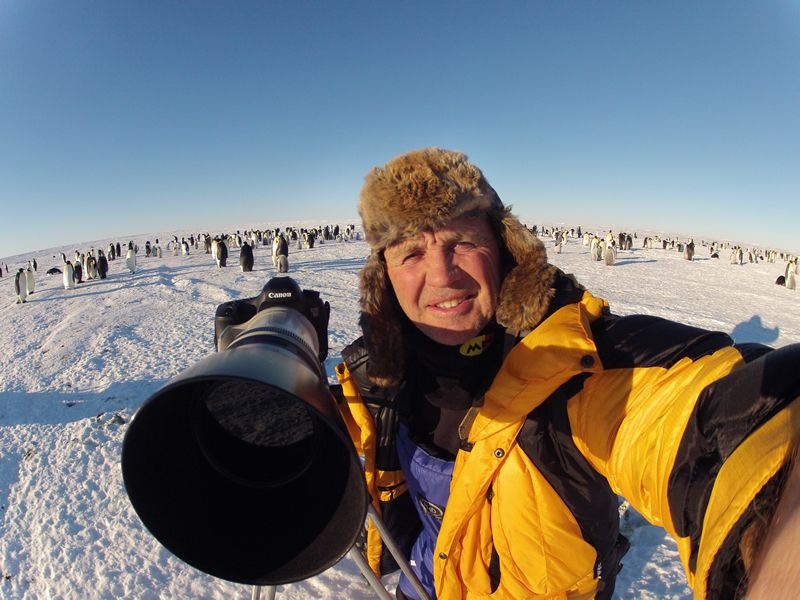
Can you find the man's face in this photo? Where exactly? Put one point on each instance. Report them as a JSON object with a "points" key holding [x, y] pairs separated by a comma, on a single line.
{"points": [[447, 280]]}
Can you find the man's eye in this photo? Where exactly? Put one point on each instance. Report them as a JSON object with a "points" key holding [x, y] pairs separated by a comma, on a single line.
{"points": [[411, 256], [465, 245]]}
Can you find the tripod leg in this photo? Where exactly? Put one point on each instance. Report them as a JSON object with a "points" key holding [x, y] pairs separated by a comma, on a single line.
{"points": [[371, 578], [269, 592]]}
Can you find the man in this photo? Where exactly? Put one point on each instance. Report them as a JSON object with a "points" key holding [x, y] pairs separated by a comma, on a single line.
{"points": [[501, 407]]}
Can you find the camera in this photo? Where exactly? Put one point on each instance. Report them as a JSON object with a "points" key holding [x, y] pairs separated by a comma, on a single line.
{"points": [[241, 465], [280, 298]]}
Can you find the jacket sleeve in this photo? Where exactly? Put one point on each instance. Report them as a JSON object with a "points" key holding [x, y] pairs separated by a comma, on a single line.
{"points": [[695, 432]]}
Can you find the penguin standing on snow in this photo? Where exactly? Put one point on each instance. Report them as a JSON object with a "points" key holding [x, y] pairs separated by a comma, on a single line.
{"points": [[102, 264], [77, 273], [246, 258], [222, 254], [69, 276], [791, 280], [20, 287], [30, 282], [91, 267], [130, 260]]}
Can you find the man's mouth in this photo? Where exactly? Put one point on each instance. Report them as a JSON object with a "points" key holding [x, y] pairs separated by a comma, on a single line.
{"points": [[452, 302]]}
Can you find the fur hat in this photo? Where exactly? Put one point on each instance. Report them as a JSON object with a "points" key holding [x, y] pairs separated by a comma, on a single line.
{"points": [[423, 190]]}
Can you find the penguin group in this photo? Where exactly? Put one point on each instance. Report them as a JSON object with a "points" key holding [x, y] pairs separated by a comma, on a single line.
{"points": [[85, 266]]}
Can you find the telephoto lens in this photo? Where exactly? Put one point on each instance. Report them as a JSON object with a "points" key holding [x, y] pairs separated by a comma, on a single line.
{"points": [[241, 465]]}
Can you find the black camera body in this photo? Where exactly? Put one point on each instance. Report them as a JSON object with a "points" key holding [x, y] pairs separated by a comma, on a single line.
{"points": [[232, 318]]}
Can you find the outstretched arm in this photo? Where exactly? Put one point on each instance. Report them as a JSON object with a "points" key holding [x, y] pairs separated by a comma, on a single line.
{"points": [[776, 572]]}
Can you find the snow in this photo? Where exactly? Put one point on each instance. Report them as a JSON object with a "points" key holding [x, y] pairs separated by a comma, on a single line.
{"points": [[76, 364]]}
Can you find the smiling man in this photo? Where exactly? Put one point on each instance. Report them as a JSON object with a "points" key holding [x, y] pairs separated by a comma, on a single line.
{"points": [[447, 281], [501, 408]]}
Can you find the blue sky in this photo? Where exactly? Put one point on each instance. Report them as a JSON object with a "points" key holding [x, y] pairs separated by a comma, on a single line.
{"points": [[123, 118]]}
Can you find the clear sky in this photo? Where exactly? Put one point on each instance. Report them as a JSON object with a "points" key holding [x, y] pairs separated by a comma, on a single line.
{"points": [[122, 118]]}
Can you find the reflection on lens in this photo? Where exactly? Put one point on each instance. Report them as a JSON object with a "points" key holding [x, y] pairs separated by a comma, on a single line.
{"points": [[258, 414], [255, 434]]}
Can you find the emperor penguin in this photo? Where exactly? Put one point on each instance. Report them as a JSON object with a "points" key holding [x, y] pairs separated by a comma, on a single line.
{"points": [[610, 253], [280, 248], [791, 280], [130, 260], [222, 254], [158, 251], [102, 264], [688, 250], [77, 270], [19, 286], [596, 249], [69, 276], [119, 250], [246, 258], [30, 282], [91, 267]]}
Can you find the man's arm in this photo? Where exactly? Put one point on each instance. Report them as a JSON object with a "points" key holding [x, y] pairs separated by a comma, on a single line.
{"points": [[776, 572]]}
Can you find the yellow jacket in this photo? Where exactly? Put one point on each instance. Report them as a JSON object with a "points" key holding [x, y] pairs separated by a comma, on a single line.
{"points": [[685, 425]]}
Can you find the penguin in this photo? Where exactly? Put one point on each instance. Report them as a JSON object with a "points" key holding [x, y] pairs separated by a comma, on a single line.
{"points": [[147, 248], [688, 250], [130, 260], [158, 251], [30, 282], [35, 266], [69, 276], [77, 273], [102, 265], [19, 286], [610, 254], [54, 271], [222, 254], [111, 252], [119, 250], [90, 267], [246, 258], [280, 248]]}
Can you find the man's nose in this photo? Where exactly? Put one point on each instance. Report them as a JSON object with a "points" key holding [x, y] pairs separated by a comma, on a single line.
{"points": [[441, 268]]}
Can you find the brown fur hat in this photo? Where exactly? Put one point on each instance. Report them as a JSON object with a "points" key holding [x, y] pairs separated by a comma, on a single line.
{"points": [[420, 191]]}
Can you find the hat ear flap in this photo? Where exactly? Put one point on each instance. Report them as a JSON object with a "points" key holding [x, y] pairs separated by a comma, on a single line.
{"points": [[381, 324], [527, 288]]}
